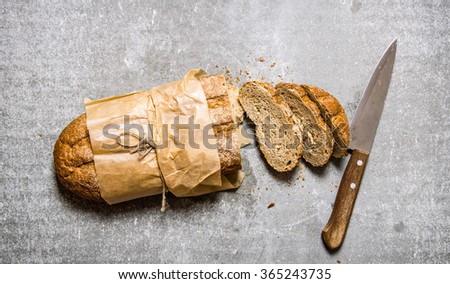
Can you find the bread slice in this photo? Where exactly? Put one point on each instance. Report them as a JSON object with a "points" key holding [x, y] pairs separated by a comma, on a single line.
{"points": [[334, 116], [238, 111], [74, 159], [276, 133], [316, 134]]}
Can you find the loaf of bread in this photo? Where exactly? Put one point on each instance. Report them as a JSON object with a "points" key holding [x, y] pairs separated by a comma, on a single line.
{"points": [[74, 158], [278, 139], [320, 124]]}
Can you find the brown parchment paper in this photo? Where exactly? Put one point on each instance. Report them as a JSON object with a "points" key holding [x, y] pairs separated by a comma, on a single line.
{"points": [[121, 175], [163, 115], [189, 156]]}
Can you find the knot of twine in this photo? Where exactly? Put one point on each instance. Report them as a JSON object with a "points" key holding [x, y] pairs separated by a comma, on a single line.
{"points": [[143, 147]]}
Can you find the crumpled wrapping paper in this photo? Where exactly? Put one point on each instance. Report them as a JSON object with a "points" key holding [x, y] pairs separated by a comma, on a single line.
{"points": [[180, 109], [175, 118], [122, 176]]}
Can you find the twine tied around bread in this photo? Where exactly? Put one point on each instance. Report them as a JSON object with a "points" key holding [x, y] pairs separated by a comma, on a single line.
{"points": [[142, 147], [163, 201]]}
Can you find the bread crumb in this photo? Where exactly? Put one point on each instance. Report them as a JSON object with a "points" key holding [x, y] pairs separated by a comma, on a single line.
{"points": [[228, 76], [272, 204], [239, 76]]}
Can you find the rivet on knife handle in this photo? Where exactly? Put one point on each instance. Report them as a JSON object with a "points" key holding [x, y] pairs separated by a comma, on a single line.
{"points": [[334, 232]]}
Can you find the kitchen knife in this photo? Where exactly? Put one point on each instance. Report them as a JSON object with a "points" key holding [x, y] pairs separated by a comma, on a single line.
{"points": [[362, 133]]}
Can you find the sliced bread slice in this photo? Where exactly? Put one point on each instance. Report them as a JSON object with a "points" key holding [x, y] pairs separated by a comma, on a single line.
{"points": [[317, 137], [334, 116], [238, 111], [276, 132]]}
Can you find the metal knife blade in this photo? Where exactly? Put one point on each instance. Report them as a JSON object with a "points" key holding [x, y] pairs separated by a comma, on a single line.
{"points": [[362, 134], [365, 122]]}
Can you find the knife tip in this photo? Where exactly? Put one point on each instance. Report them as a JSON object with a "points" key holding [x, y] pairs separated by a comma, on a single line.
{"points": [[394, 42], [393, 46]]}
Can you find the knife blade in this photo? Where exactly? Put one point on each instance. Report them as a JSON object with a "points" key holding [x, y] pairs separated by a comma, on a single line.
{"points": [[362, 134]]}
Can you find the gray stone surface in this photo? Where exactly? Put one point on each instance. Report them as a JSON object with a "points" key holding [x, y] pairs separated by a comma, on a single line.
{"points": [[54, 54]]}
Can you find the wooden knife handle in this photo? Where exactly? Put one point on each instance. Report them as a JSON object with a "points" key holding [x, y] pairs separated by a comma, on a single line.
{"points": [[334, 232]]}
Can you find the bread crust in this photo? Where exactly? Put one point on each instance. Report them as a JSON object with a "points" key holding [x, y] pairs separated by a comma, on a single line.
{"points": [[74, 158], [334, 116]]}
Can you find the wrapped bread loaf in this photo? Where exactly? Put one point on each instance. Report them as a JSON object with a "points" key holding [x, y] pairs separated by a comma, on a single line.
{"points": [[74, 157]]}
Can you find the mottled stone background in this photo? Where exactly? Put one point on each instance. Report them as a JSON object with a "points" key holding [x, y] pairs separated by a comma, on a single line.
{"points": [[54, 54]]}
